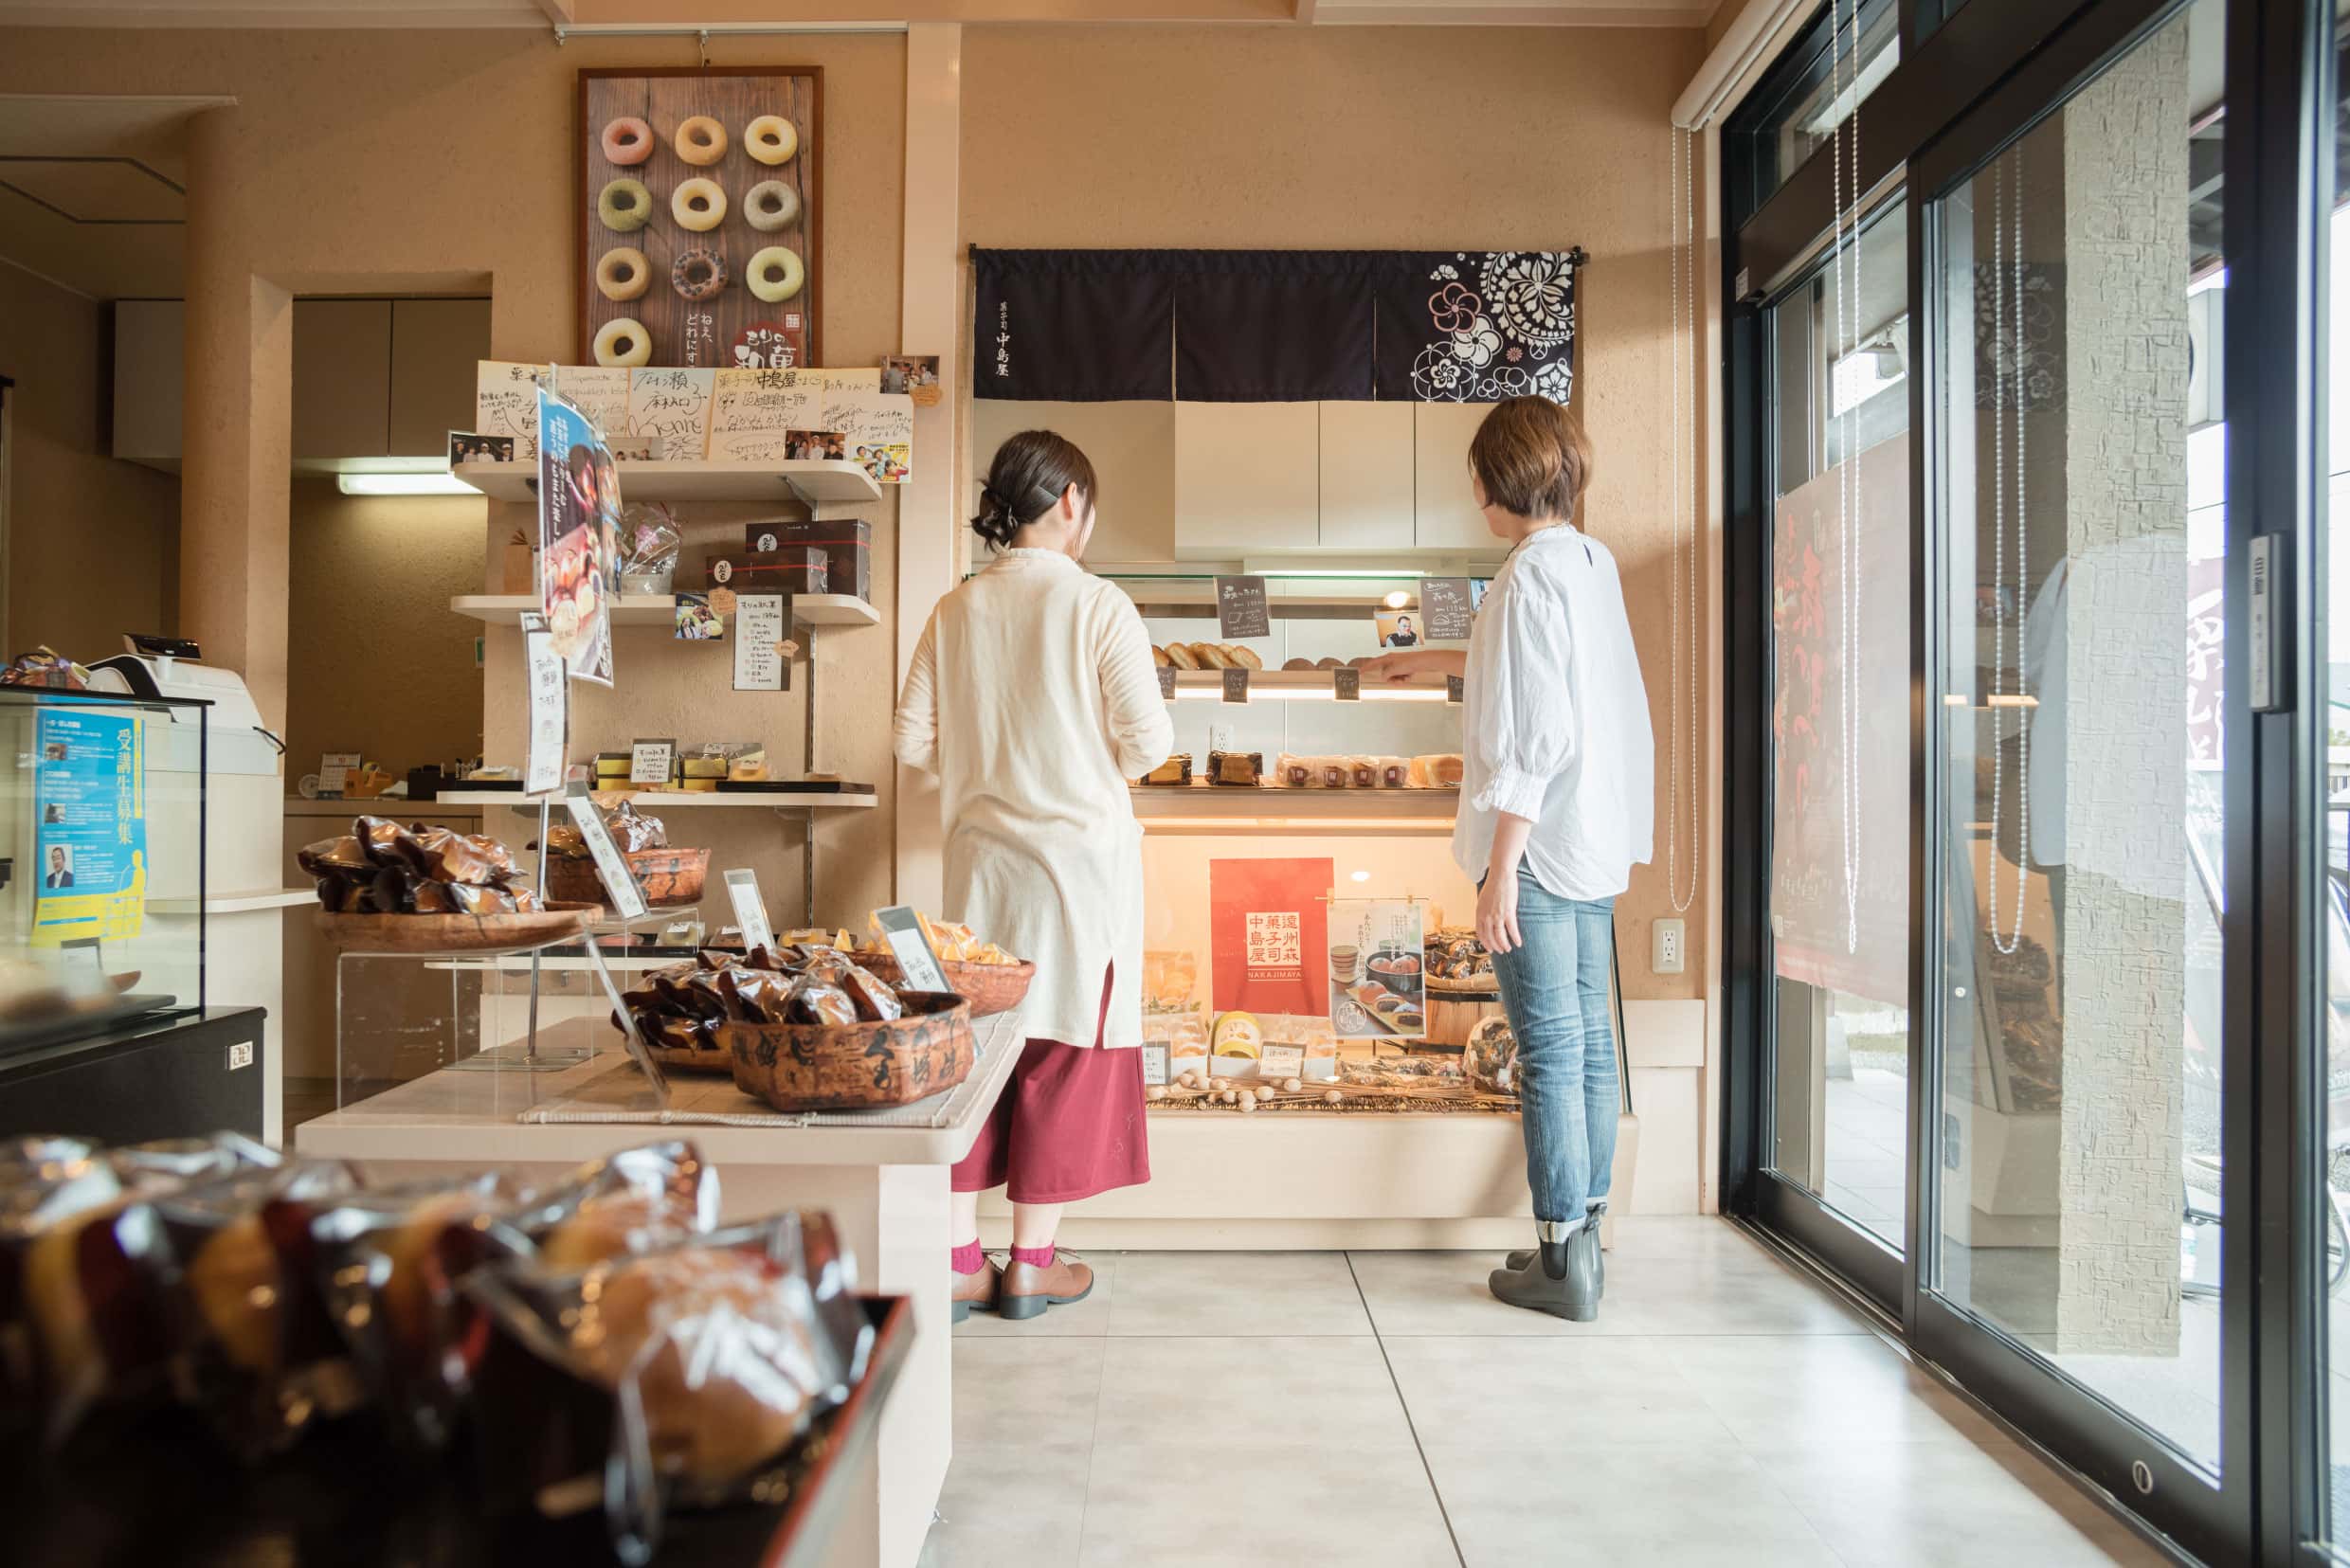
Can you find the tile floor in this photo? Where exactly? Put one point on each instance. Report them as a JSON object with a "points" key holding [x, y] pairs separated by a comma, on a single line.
{"points": [[1379, 1408]]}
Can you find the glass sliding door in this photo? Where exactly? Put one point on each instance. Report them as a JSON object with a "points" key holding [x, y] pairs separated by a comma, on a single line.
{"points": [[2076, 514], [1839, 732]]}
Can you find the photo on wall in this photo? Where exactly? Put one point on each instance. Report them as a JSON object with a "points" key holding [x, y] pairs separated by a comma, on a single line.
{"points": [[700, 234]]}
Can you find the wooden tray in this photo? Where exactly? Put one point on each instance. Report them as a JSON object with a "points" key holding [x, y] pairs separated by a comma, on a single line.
{"points": [[451, 933], [856, 1066], [991, 988]]}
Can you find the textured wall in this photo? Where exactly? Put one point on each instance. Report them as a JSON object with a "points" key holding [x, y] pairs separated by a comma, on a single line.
{"points": [[1380, 138], [92, 542], [376, 663], [363, 160], [2125, 507]]}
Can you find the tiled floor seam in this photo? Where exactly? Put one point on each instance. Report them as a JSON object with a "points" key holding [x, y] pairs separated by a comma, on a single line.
{"points": [[1093, 1435], [1410, 1425]]}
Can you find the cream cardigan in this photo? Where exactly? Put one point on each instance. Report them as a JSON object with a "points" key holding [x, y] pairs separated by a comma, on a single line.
{"points": [[1033, 699]]}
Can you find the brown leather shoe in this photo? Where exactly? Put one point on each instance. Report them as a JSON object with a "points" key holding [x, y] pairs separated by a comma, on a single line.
{"points": [[976, 1290], [1028, 1289]]}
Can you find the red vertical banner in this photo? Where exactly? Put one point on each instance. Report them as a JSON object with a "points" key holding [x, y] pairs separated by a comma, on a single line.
{"points": [[1268, 927]]}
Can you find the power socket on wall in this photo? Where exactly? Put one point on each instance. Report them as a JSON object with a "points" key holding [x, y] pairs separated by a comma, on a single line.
{"points": [[1668, 946]]}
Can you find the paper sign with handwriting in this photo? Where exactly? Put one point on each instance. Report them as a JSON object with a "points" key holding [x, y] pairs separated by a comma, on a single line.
{"points": [[752, 413], [599, 391], [506, 404], [673, 403]]}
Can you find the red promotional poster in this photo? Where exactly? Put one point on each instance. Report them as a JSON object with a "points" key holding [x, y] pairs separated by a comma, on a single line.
{"points": [[1268, 923]]}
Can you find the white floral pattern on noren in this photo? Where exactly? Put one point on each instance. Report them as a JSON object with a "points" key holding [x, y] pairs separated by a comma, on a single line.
{"points": [[1510, 336]]}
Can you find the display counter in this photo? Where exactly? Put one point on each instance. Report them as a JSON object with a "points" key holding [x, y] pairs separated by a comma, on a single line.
{"points": [[883, 1173]]}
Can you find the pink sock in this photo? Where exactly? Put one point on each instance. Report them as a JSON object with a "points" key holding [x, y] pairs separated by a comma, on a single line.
{"points": [[969, 1260], [1040, 1257]]}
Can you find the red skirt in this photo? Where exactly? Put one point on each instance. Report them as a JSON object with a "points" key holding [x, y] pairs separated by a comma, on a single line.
{"points": [[1071, 1124]]}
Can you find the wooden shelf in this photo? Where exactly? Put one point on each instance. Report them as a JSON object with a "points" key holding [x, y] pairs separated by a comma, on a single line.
{"points": [[1231, 806], [663, 800], [834, 482], [661, 610], [1302, 686]]}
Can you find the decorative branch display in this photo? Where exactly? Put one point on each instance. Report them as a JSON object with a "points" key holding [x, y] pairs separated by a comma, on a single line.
{"points": [[699, 225]]}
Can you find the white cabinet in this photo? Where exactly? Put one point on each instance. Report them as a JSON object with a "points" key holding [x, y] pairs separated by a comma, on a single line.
{"points": [[1445, 514], [1132, 449], [1246, 478], [1366, 476]]}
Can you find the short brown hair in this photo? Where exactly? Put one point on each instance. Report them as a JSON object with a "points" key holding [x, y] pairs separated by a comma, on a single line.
{"points": [[1532, 457]]}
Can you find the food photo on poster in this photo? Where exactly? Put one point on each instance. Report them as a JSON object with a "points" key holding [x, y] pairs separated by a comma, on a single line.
{"points": [[578, 537]]}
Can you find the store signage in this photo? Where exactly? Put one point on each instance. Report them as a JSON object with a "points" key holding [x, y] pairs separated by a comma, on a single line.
{"points": [[1444, 608], [1240, 610], [1154, 1062], [1456, 688], [902, 929], [578, 537], [760, 621], [1236, 684], [1281, 1061], [1347, 684], [335, 771], [742, 888], [549, 706], [652, 762], [1166, 682], [89, 840], [619, 883]]}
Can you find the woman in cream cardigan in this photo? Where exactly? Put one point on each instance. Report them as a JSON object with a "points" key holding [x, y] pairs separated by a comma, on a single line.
{"points": [[1033, 697]]}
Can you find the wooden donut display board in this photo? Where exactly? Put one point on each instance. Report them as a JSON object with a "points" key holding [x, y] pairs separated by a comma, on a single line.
{"points": [[698, 216]]}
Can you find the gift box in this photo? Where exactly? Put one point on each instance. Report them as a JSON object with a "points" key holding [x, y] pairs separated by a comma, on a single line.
{"points": [[847, 544], [793, 568]]}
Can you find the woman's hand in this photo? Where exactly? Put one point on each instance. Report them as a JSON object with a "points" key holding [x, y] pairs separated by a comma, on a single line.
{"points": [[1497, 911], [1397, 668]]}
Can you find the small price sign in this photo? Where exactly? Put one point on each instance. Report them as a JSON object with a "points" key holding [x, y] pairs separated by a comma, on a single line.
{"points": [[652, 762], [1347, 684], [619, 883], [1166, 682], [1456, 687], [1236, 684], [1240, 611], [741, 890]]}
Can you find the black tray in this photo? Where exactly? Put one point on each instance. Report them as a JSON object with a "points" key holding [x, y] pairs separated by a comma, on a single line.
{"points": [[162, 1491]]}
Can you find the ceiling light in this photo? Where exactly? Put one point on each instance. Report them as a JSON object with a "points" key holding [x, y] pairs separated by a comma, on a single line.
{"points": [[1360, 876], [402, 484], [1397, 600]]}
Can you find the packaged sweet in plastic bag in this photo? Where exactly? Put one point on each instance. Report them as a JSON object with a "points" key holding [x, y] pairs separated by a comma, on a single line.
{"points": [[390, 1258], [676, 1377], [652, 1196]]}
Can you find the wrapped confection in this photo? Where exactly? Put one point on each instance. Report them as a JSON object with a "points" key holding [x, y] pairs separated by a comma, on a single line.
{"points": [[651, 1196], [1437, 771], [1332, 772], [343, 853], [1490, 1059], [875, 1002], [1236, 767], [480, 900], [814, 1001], [1393, 772], [445, 856], [1363, 772], [1175, 770]]}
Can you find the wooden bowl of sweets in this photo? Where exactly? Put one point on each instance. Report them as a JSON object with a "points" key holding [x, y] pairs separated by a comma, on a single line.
{"points": [[386, 888]]}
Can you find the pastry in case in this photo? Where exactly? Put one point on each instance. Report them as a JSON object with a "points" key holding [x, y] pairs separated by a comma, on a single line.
{"points": [[1236, 767], [1175, 770]]}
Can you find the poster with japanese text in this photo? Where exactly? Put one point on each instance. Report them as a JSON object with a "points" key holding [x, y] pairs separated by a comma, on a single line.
{"points": [[578, 537], [90, 828], [1375, 989], [1267, 920]]}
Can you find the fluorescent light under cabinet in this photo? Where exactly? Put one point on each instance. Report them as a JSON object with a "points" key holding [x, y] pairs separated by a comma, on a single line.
{"points": [[402, 484]]}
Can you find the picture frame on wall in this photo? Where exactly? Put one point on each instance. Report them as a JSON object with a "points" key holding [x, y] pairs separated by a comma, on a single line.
{"points": [[724, 273]]}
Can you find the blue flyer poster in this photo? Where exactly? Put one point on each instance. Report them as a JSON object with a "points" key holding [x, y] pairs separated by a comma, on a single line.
{"points": [[90, 833], [578, 537]]}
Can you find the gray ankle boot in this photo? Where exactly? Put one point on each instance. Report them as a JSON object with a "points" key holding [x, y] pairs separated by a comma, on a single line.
{"points": [[1518, 1261], [1559, 1278]]}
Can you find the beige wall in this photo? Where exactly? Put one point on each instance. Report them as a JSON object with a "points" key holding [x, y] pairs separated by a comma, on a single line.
{"points": [[92, 543], [376, 663], [1380, 138], [371, 160], [1724, 15]]}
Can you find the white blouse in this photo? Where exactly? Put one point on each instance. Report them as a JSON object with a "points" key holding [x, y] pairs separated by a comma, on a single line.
{"points": [[1032, 696], [1555, 723]]}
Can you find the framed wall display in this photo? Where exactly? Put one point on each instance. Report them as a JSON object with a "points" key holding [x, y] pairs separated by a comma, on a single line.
{"points": [[699, 216]]}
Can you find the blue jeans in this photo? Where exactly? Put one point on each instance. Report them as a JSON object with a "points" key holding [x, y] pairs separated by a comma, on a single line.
{"points": [[1554, 987]]}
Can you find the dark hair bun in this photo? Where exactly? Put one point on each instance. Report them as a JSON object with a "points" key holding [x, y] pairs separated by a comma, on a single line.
{"points": [[1030, 474]]}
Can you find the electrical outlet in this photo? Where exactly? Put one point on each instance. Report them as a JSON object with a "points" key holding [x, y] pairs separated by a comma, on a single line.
{"points": [[240, 1055], [1668, 946], [1220, 737]]}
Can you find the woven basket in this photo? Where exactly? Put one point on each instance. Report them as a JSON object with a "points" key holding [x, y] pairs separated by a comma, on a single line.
{"points": [[854, 1066]]}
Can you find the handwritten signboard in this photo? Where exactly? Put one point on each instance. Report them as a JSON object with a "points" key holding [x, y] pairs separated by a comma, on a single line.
{"points": [[599, 391], [1240, 610], [505, 403], [1444, 608], [759, 634], [674, 403], [752, 414]]}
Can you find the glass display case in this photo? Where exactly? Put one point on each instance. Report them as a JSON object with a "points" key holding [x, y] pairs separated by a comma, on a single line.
{"points": [[101, 872]]}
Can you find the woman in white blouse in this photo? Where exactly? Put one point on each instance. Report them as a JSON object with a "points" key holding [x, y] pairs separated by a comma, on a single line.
{"points": [[1033, 697], [1556, 808]]}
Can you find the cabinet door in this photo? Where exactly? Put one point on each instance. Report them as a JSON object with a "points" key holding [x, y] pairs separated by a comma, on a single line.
{"points": [[342, 362], [147, 363], [1245, 476], [1366, 476], [1445, 516], [435, 345]]}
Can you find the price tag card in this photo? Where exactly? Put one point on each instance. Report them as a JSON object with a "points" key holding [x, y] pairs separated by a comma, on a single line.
{"points": [[1166, 682], [1281, 1061], [335, 771], [1444, 608], [742, 888], [762, 621], [1455, 689], [1347, 684], [652, 762], [1154, 1062], [550, 706], [619, 883], [630, 1035], [1240, 608], [902, 929], [1236, 684]]}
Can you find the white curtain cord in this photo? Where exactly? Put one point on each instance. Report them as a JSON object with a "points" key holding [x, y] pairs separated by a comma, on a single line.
{"points": [[2007, 388]]}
